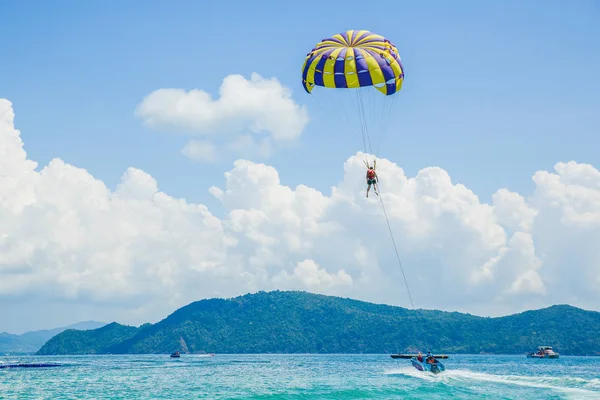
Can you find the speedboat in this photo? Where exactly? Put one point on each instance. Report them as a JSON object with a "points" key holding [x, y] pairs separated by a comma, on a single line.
{"points": [[429, 363], [543, 352], [176, 355]]}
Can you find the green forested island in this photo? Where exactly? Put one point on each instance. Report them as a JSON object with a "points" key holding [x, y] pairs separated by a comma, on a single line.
{"points": [[300, 322]]}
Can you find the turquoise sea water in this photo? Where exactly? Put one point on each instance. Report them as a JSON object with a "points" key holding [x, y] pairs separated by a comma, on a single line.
{"points": [[300, 377]]}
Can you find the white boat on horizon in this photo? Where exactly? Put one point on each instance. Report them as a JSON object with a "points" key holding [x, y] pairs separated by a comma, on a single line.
{"points": [[543, 352]]}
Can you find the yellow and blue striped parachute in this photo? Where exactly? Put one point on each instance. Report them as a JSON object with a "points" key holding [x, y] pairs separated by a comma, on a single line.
{"points": [[354, 59], [362, 61]]}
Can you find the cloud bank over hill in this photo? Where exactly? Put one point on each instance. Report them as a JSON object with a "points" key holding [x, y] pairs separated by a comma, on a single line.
{"points": [[68, 242]]}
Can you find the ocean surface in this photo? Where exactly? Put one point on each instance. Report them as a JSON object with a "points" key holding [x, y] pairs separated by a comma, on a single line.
{"points": [[299, 377]]}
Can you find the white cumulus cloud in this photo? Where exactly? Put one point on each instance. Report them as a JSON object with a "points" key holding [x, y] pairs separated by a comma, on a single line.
{"points": [[71, 248], [308, 275], [249, 115]]}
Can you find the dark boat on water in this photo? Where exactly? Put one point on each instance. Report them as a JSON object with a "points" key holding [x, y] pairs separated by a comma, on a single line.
{"points": [[176, 355]]}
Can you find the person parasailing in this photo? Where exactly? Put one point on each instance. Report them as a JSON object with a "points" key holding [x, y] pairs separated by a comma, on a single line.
{"points": [[364, 69], [367, 68], [372, 179]]}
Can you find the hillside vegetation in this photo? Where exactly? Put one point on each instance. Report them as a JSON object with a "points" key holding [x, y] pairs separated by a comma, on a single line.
{"points": [[300, 322]]}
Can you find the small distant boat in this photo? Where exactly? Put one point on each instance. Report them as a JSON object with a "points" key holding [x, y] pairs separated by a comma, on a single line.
{"points": [[543, 352], [429, 363], [176, 355]]}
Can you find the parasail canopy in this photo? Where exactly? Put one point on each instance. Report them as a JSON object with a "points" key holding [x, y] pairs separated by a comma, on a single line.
{"points": [[354, 59]]}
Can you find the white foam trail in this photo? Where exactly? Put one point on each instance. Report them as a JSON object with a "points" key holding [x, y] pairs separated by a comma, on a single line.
{"points": [[541, 382], [414, 373]]}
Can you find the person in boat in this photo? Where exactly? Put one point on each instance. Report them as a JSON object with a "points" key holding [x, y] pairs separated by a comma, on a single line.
{"points": [[430, 358], [372, 179], [420, 357]]}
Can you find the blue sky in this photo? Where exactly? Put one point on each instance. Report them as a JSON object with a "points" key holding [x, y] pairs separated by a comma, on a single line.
{"points": [[494, 90]]}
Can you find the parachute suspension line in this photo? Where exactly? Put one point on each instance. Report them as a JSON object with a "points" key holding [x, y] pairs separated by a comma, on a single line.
{"points": [[365, 129], [370, 111], [373, 111], [362, 112], [384, 115], [362, 124]]}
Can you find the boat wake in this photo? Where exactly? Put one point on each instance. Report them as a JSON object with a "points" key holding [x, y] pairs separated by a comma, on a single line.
{"points": [[583, 388]]}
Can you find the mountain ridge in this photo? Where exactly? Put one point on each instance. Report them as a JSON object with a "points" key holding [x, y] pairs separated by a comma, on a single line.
{"points": [[31, 341], [302, 322]]}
